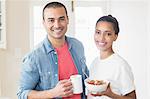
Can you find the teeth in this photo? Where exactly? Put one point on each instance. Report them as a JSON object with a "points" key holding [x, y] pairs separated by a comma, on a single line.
{"points": [[57, 30], [101, 44]]}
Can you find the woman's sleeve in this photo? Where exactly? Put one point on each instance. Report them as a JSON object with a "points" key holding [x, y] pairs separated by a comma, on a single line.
{"points": [[126, 79]]}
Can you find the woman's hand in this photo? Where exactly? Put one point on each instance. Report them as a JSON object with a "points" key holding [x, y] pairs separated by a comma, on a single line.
{"points": [[108, 92]]}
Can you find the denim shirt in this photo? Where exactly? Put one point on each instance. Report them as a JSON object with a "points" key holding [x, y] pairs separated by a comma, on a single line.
{"points": [[40, 67]]}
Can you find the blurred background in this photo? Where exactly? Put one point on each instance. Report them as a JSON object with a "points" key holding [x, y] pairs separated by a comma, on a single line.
{"points": [[23, 30]]}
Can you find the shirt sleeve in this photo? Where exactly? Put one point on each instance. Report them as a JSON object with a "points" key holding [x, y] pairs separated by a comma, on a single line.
{"points": [[29, 77], [126, 79]]}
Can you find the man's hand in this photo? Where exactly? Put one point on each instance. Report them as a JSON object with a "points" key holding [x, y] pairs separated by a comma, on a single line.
{"points": [[63, 89]]}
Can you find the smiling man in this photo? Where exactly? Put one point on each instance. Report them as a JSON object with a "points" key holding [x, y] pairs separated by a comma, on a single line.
{"points": [[47, 69]]}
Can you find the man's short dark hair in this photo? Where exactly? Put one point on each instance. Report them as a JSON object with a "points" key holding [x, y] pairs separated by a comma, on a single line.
{"points": [[54, 5]]}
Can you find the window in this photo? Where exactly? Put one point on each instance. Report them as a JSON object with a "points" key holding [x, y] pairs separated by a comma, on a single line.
{"points": [[38, 29], [85, 19], [2, 25]]}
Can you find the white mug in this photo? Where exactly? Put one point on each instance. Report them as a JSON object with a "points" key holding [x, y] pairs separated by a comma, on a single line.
{"points": [[77, 83]]}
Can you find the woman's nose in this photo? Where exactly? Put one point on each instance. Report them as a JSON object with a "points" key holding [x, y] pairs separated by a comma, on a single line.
{"points": [[101, 37]]}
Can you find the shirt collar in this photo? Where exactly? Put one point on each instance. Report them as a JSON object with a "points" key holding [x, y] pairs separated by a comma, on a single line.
{"points": [[68, 42], [49, 47]]}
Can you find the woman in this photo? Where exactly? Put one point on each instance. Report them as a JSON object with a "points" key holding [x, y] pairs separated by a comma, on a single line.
{"points": [[109, 65]]}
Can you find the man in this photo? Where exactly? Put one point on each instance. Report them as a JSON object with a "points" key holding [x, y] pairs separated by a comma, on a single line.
{"points": [[47, 69]]}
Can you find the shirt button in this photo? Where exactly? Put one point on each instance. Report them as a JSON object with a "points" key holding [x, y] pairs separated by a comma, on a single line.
{"points": [[56, 75], [56, 63], [55, 52]]}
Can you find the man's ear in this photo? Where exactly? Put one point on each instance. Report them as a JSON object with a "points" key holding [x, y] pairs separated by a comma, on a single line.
{"points": [[43, 23], [68, 19]]}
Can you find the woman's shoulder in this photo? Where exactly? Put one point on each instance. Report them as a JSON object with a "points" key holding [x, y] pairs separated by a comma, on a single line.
{"points": [[122, 63], [119, 58], [95, 61]]}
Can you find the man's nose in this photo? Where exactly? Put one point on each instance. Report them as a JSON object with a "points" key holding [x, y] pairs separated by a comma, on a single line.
{"points": [[57, 24]]}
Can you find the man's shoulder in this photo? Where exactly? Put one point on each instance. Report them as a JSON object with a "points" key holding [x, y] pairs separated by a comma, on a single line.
{"points": [[36, 52], [74, 41]]}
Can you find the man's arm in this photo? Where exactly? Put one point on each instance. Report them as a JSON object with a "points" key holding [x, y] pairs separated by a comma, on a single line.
{"points": [[40, 94], [62, 89]]}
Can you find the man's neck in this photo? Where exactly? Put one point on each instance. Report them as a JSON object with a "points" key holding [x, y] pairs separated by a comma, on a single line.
{"points": [[56, 43]]}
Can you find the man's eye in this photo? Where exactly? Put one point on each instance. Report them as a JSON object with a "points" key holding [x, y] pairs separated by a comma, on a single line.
{"points": [[109, 34], [62, 19], [98, 32], [50, 20]]}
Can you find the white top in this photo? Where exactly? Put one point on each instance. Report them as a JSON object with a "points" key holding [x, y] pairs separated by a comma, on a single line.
{"points": [[117, 71]]}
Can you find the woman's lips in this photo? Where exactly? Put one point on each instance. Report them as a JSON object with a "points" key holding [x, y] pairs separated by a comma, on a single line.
{"points": [[101, 43]]}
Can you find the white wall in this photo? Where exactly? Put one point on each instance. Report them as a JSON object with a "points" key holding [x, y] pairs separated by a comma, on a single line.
{"points": [[132, 43], [17, 15], [133, 40], [148, 68]]}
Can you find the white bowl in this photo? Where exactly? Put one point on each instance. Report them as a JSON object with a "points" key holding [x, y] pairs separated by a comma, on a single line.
{"points": [[96, 88]]}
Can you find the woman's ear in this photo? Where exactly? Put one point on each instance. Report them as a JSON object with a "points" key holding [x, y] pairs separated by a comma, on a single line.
{"points": [[116, 36]]}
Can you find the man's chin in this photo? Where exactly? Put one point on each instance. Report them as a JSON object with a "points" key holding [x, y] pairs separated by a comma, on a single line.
{"points": [[59, 37]]}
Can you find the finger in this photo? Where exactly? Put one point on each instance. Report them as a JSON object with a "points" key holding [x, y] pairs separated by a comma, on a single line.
{"points": [[95, 94], [108, 85], [68, 83], [63, 81], [67, 88], [69, 92]]}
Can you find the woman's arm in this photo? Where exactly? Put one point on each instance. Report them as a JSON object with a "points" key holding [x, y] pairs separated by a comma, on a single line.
{"points": [[131, 95], [109, 93]]}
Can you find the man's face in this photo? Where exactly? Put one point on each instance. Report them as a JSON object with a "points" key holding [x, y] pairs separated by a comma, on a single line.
{"points": [[55, 22]]}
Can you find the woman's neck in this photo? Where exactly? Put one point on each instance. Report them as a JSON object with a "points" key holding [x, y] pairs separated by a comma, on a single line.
{"points": [[106, 54]]}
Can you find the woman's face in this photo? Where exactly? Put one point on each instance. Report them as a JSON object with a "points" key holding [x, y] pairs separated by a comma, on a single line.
{"points": [[104, 36]]}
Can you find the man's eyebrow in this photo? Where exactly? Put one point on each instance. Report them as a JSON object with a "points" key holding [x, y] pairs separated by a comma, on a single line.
{"points": [[61, 17], [58, 18], [50, 18]]}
